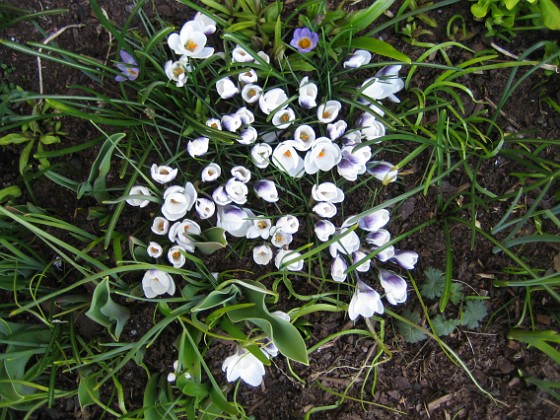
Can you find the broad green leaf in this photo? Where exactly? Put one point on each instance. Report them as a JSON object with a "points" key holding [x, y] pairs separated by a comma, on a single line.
{"points": [[192, 388], [87, 392], [377, 46], [24, 157], [480, 9], [510, 4], [551, 14], [14, 138], [474, 312], [11, 191], [210, 241], [49, 139], [156, 403], [363, 18], [217, 298], [106, 312], [540, 340], [408, 332], [444, 326]]}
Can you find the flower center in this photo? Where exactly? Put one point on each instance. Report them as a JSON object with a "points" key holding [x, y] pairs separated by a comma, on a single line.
{"points": [[178, 71], [262, 225], [304, 43], [252, 93], [288, 154], [176, 255], [164, 172], [285, 118], [322, 153], [191, 45], [304, 136], [326, 114]]}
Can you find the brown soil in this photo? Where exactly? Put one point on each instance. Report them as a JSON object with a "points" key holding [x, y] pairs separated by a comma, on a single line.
{"points": [[419, 381]]}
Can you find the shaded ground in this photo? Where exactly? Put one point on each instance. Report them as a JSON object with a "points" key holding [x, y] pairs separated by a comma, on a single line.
{"points": [[419, 381]]}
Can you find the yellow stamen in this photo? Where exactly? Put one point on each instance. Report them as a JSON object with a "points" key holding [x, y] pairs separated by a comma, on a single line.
{"points": [[191, 45], [304, 43], [288, 154]]}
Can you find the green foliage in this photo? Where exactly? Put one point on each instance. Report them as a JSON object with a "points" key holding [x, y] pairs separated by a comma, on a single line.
{"points": [[473, 313], [408, 332]]}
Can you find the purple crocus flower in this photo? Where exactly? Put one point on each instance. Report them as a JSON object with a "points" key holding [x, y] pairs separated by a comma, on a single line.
{"points": [[128, 67], [304, 40]]}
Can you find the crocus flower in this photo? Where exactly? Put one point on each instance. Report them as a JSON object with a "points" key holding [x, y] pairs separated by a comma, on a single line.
{"points": [[190, 41], [371, 127], [308, 92], [214, 123], [325, 209], [374, 221], [384, 85], [286, 158], [304, 40], [323, 156], [272, 99], [346, 244], [378, 238], [251, 93], [154, 250], [394, 286], [365, 302], [338, 268], [204, 207], [284, 118], [177, 71], [248, 77], [128, 67], [163, 173], [231, 122], [239, 55], [160, 226], [176, 257], [180, 233], [243, 365], [383, 171], [279, 238], [324, 229], [288, 224], [260, 227], [245, 115], [178, 200], [286, 256], [359, 256], [327, 191], [358, 59], [266, 189], [198, 147], [262, 254], [304, 136], [139, 202], [328, 111], [234, 220], [260, 155], [337, 129], [248, 135], [241, 173], [226, 88], [237, 191], [211, 172], [406, 259], [386, 254], [157, 282], [220, 196]]}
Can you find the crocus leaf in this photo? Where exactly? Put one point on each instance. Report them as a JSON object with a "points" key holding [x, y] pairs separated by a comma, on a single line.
{"points": [[216, 298], [365, 17], [377, 46], [87, 392], [106, 312], [192, 388], [210, 241], [156, 400]]}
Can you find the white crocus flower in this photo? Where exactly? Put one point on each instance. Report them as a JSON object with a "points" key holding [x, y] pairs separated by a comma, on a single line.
{"points": [[190, 41], [386, 254], [338, 268], [323, 156], [308, 92], [226, 88], [383, 171], [394, 286], [279, 238], [378, 238], [327, 191], [241, 173], [374, 221], [365, 302], [220, 196], [358, 59], [176, 256], [243, 365], [180, 233], [371, 127], [285, 256], [205, 208], [214, 123], [384, 85], [406, 259], [157, 282], [359, 256], [262, 254], [248, 77], [251, 93], [198, 147], [353, 164], [284, 118], [237, 191], [260, 228], [211, 172], [177, 71], [139, 202], [328, 111], [160, 226], [231, 122], [325, 209], [273, 99], [163, 173], [288, 224], [346, 244], [245, 114], [286, 158], [304, 135], [266, 190], [264, 56], [234, 220], [324, 229], [208, 24], [154, 250], [178, 200], [260, 155], [239, 55], [337, 129], [248, 135]]}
